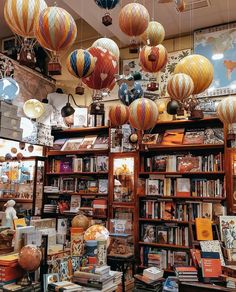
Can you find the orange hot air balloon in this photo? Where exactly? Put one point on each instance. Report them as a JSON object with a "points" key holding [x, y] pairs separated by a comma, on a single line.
{"points": [[119, 115], [154, 34], [143, 114], [180, 86], [199, 68], [153, 59], [133, 19]]}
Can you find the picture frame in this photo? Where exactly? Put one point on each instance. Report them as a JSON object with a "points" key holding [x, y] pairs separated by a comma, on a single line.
{"points": [[8, 44], [218, 45], [81, 117], [50, 278]]}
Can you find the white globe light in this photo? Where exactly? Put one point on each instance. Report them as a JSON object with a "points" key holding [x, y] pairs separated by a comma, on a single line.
{"points": [[33, 108]]}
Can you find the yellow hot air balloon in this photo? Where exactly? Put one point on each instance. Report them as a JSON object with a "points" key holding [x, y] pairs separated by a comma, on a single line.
{"points": [[154, 34], [180, 86], [199, 68]]}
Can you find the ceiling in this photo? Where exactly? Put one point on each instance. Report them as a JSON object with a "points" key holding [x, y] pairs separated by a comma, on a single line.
{"points": [[174, 23]]}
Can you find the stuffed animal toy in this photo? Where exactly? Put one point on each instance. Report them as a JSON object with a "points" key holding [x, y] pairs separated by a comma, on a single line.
{"points": [[10, 214]]}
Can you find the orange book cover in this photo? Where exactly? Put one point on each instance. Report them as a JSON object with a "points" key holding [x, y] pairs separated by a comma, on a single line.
{"points": [[204, 229], [173, 137], [211, 264]]}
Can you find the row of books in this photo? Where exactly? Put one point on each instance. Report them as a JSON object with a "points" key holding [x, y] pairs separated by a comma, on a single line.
{"points": [[160, 185], [79, 185], [184, 163], [183, 136], [82, 143], [181, 211], [164, 259], [174, 234], [75, 164]]}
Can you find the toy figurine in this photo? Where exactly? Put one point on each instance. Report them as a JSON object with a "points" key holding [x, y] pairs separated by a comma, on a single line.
{"points": [[10, 214]]}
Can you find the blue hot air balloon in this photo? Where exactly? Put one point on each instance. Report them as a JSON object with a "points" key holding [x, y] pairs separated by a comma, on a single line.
{"points": [[107, 4], [127, 95]]}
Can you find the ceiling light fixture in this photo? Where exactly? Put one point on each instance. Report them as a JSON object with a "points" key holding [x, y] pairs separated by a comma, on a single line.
{"points": [[68, 110]]}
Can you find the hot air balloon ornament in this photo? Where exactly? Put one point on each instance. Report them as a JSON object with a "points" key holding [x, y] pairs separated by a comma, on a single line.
{"points": [[55, 31], [80, 63], [108, 5], [21, 16], [226, 111]]}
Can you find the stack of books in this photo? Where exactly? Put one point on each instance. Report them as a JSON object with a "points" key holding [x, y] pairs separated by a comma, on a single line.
{"points": [[51, 189], [186, 274], [10, 271], [143, 283], [50, 208]]}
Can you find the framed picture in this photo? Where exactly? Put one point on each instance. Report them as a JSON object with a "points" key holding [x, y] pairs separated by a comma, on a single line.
{"points": [[219, 46], [8, 44], [167, 72], [81, 117], [50, 278]]}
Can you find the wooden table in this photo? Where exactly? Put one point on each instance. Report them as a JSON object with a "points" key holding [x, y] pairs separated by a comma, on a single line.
{"points": [[201, 287]]}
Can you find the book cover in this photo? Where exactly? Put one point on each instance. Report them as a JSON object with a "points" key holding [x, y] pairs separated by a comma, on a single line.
{"points": [[103, 186], [187, 270], [75, 203], [173, 137], [193, 137], [211, 265], [81, 117], [196, 256], [227, 230], [214, 136], [72, 144], [183, 188], [116, 140], [180, 258], [159, 163], [153, 187], [141, 187], [213, 246], [204, 229], [150, 139], [218, 210], [149, 233], [19, 222], [169, 211], [66, 164], [101, 142], [126, 145], [207, 210], [77, 164], [102, 163], [58, 144], [88, 142], [62, 225], [188, 163], [162, 235]]}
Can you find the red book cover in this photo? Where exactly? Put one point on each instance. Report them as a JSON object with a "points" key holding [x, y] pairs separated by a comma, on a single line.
{"points": [[211, 268]]}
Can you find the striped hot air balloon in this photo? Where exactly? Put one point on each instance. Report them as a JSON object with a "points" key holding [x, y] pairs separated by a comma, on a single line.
{"points": [[108, 44], [180, 86], [80, 63], [154, 34], [143, 114], [106, 66], [55, 29], [21, 15], [199, 68], [133, 19], [119, 115], [159, 58], [226, 110]]}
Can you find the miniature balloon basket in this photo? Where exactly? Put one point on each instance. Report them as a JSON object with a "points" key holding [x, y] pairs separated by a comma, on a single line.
{"points": [[54, 66], [196, 115], [26, 56], [107, 19], [133, 47], [79, 90]]}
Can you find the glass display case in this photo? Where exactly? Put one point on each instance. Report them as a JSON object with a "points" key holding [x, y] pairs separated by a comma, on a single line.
{"points": [[22, 181]]}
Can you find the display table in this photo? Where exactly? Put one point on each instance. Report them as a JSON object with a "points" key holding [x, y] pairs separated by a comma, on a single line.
{"points": [[197, 287]]}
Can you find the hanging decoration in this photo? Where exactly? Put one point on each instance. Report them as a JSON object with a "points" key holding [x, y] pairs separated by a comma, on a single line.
{"points": [[143, 114], [108, 44], [154, 34], [128, 94], [199, 68], [180, 5], [106, 67], [226, 111], [180, 86], [133, 21], [108, 5], [153, 59], [56, 31], [119, 115], [21, 16], [33, 108], [80, 63]]}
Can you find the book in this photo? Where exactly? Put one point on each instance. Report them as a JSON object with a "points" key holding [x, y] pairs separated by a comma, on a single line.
{"points": [[77, 164], [101, 142], [211, 265], [66, 164], [207, 210], [196, 256], [153, 273], [180, 258], [19, 222], [162, 235], [88, 142], [227, 230], [193, 137], [159, 163], [188, 163], [171, 285], [213, 246], [62, 225], [149, 233], [173, 137], [150, 139], [72, 144], [183, 187], [204, 229], [75, 203], [103, 186], [141, 187], [153, 187], [80, 117], [102, 163], [169, 211], [58, 144], [214, 136]]}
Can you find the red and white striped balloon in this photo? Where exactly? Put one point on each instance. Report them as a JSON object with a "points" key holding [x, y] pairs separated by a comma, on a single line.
{"points": [[226, 110], [180, 86], [119, 115]]}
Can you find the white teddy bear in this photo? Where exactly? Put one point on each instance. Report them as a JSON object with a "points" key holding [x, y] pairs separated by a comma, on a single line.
{"points": [[10, 213]]}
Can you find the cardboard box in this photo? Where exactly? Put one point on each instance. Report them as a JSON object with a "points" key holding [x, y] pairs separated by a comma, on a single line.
{"points": [[11, 134], [9, 110], [9, 123]]}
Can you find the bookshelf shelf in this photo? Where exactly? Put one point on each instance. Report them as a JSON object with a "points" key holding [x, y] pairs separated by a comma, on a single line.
{"points": [[78, 152], [77, 173], [170, 246], [162, 198], [17, 200], [189, 122], [81, 130], [163, 221], [75, 194], [145, 173], [71, 215], [183, 147]]}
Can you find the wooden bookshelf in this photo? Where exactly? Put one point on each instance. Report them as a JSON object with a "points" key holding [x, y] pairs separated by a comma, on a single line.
{"points": [[162, 245], [94, 152], [195, 173], [17, 200], [77, 173], [172, 148], [84, 130], [163, 221], [163, 198]]}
